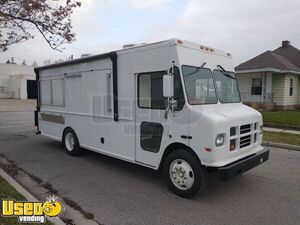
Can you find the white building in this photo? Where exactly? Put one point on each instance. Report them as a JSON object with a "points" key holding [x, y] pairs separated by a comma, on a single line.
{"points": [[272, 79], [17, 81]]}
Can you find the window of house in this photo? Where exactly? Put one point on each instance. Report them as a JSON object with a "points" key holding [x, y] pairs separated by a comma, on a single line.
{"points": [[291, 87], [256, 86]]}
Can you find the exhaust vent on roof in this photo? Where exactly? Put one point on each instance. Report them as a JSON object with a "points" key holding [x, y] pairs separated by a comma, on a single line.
{"points": [[85, 55], [133, 45]]}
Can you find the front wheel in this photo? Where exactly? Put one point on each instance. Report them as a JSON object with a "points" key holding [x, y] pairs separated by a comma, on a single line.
{"points": [[184, 174]]}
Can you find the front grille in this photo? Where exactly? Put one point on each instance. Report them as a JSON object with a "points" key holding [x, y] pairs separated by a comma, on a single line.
{"points": [[243, 135], [245, 141], [245, 129]]}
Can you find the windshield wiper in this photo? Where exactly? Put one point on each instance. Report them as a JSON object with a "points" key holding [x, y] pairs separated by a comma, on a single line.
{"points": [[225, 73], [196, 70]]}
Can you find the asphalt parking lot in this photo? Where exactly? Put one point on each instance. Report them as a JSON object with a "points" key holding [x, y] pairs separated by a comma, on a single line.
{"points": [[117, 192]]}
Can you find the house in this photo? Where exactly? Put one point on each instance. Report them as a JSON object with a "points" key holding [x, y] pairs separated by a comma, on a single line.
{"points": [[17, 81], [272, 79]]}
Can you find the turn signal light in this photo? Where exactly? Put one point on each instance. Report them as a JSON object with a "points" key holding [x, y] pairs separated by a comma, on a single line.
{"points": [[232, 145], [180, 42]]}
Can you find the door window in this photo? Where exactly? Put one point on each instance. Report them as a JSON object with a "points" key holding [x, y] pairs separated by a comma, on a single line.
{"points": [[151, 135], [150, 91]]}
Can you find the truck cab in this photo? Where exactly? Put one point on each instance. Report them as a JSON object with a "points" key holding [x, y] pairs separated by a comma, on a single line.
{"points": [[224, 133]]}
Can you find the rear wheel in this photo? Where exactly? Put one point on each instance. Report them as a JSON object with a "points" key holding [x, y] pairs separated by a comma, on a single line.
{"points": [[71, 142], [184, 174]]}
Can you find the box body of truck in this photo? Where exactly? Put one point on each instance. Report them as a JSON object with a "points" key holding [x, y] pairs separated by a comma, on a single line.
{"points": [[114, 104]]}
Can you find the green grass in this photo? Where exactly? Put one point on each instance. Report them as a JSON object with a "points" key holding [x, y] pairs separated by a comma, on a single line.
{"points": [[8, 192], [282, 117], [279, 137]]}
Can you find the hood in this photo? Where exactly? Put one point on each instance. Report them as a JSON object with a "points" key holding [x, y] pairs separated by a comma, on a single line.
{"points": [[236, 113]]}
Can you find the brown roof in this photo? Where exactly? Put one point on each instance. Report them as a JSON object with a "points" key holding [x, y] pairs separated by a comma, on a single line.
{"points": [[291, 53], [284, 58]]}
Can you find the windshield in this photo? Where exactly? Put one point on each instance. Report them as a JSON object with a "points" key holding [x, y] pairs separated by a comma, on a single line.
{"points": [[200, 86], [227, 87]]}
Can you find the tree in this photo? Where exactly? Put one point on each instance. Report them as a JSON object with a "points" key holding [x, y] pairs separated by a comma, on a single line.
{"points": [[51, 18]]}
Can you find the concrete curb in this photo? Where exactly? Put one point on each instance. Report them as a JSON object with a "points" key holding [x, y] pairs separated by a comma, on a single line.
{"points": [[276, 130], [281, 145], [25, 193], [282, 126]]}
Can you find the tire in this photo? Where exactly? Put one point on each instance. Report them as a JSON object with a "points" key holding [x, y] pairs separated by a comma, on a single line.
{"points": [[71, 143], [184, 174]]}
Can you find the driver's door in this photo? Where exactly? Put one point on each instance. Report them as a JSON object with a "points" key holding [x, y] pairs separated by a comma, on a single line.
{"points": [[154, 130], [150, 121]]}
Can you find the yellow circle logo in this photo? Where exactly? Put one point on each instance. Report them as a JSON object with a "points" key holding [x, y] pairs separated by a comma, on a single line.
{"points": [[52, 208]]}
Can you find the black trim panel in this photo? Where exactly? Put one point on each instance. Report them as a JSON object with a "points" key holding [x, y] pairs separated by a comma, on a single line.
{"points": [[38, 103], [243, 165], [76, 61], [114, 59]]}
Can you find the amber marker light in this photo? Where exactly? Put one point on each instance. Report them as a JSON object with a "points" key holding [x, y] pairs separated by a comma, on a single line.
{"points": [[180, 42]]}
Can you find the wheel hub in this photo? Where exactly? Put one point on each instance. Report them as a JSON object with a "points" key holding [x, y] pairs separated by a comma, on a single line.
{"points": [[69, 141], [181, 174]]}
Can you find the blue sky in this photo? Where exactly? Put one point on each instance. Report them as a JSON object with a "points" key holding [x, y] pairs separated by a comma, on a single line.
{"points": [[244, 28]]}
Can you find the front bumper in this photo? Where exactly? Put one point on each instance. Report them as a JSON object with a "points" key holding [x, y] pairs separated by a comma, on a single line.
{"points": [[243, 165]]}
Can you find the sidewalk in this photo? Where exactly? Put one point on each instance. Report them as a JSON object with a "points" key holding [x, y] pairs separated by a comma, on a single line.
{"points": [[281, 130], [16, 105]]}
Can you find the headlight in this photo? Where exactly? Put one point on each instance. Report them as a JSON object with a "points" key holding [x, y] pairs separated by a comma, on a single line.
{"points": [[220, 140]]}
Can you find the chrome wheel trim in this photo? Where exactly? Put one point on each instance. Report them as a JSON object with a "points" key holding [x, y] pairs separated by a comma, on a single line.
{"points": [[69, 141], [181, 174]]}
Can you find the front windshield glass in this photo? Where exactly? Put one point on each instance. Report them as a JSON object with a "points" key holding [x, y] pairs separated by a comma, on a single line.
{"points": [[227, 87], [199, 85]]}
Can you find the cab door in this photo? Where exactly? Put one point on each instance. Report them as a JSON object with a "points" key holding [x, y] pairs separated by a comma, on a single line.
{"points": [[155, 130]]}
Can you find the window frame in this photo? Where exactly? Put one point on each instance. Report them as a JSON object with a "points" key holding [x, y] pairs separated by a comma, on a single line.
{"points": [[238, 87], [62, 79], [178, 109], [164, 72], [291, 88], [185, 90], [138, 88], [252, 93], [160, 135]]}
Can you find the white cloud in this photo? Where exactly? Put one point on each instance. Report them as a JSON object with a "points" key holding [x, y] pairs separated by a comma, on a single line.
{"points": [[88, 5], [149, 3], [245, 28]]}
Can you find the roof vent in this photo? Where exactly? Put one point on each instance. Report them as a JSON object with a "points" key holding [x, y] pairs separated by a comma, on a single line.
{"points": [[286, 44], [133, 45], [85, 55]]}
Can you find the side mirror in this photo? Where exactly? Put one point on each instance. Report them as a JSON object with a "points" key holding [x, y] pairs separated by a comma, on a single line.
{"points": [[168, 86]]}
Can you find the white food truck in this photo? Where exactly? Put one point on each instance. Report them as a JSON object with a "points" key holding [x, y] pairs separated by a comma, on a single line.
{"points": [[171, 105]]}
